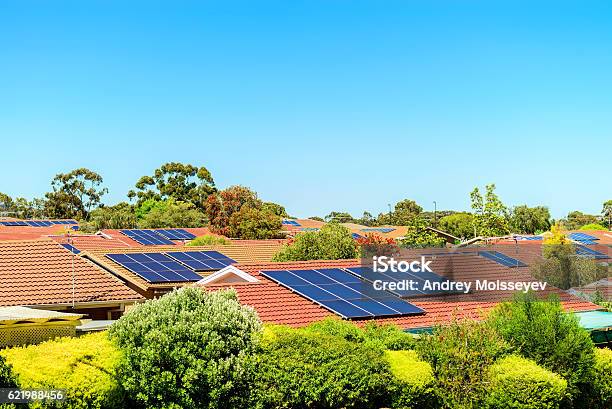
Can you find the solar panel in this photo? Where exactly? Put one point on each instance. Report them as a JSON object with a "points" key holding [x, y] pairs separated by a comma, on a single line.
{"points": [[342, 293], [155, 267], [68, 221], [14, 223], [419, 278], [202, 260], [378, 229], [356, 236], [502, 259], [39, 223], [291, 223], [176, 234], [71, 248], [147, 237], [582, 237], [587, 252]]}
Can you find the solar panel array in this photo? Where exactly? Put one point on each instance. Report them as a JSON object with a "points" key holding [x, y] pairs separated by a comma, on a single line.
{"points": [[39, 223], [356, 236], [378, 229], [71, 248], [155, 267], [201, 260], [147, 237], [583, 238], [343, 293], [587, 252], [13, 223], [291, 223], [176, 234], [419, 278], [36, 223], [502, 259], [533, 238], [67, 221]]}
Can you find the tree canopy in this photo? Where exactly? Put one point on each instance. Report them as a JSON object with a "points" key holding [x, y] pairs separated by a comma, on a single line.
{"points": [[332, 242], [460, 225], [530, 220], [490, 214], [74, 194]]}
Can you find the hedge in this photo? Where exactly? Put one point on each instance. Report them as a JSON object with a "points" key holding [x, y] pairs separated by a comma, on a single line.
{"points": [[602, 381], [304, 369], [84, 367], [519, 383], [414, 385]]}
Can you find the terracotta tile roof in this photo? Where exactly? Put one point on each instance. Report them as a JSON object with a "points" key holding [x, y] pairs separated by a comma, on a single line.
{"points": [[117, 235], [248, 251], [28, 232], [90, 241], [39, 272], [277, 304]]}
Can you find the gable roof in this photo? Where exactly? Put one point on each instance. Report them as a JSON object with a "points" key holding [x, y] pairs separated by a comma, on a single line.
{"points": [[40, 272]]}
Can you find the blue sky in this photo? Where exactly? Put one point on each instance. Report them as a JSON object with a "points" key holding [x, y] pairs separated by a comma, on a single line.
{"points": [[318, 105]]}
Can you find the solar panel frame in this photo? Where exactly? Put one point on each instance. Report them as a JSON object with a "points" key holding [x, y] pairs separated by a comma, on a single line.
{"points": [[501, 258], [70, 248], [146, 237], [13, 223], [155, 267], [176, 234], [202, 260], [587, 252]]}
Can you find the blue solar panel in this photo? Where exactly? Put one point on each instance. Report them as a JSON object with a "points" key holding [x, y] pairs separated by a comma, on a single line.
{"points": [[379, 229], [155, 267], [176, 234], [147, 237], [582, 237], [587, 252], [14, 223], [39, 223], [71, 248], [342, 293], [502, 259], [202, 260], [68, 221], [356, 236], [291, 223]]}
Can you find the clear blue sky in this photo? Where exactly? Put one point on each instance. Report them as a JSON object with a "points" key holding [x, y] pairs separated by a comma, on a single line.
{"points": [[317, 105]]}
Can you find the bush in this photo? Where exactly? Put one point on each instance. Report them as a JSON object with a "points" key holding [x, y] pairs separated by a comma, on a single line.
{"points": [[593, 226], [542, 331], [332, 242], [7, 379], [519, 383], [84, 367], [460, 354], [602, 379], [414, 381], [188, 349], [209, 240], [304, 369]]}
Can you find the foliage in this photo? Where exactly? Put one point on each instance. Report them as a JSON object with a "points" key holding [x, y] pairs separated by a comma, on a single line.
{"points": [[178, 181], [275, 209], [519, 383], [208, 240], [302, 369], [366, 219], [332, 242], [530, 220], [403, 214], [74, 194], [606, 213], [459, 225], [602, 380], [383, 337], [119, 216], [418, 235], [21, 208], [490, 214], [374, 244], [339, 217], [542, 331], [188, 349], [7, 378], [170, 213], [593, 226], [575, 219], [253, 223], [84, 367], [460, 354], [317, 218], [414, 381], [221, 206]]}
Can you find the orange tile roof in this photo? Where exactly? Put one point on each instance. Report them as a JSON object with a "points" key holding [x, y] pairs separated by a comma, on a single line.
{"points": [[277, 304], [40, 272], [28, 232]]}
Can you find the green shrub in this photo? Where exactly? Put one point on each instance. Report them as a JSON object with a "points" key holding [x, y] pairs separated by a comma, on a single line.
{"points": [[7, 378], [332, 242], [414, 381], [188, 349], [209, 240], [602, 379], [519, 383], [593, 226], [304, 369], [384, 337], [542, 331], [84, 367], [460, 354]]}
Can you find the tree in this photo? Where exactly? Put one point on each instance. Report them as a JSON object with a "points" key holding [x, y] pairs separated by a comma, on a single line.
{"points": [[182, 182], [188, 349], [222, 205], [366, 219], [575, 219], [6, 203], [332, 242], [460, 225], [171, 213], [418, 236], [404, 212], [253, 223], [606, 213], [530, 220], [339, 217], [275, 209], [317, 218], [119, 216], [490, 214], [74, 194]]}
